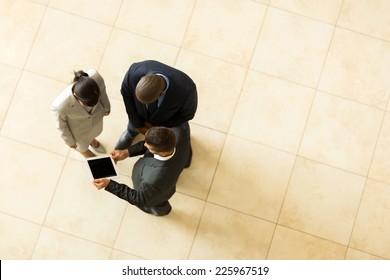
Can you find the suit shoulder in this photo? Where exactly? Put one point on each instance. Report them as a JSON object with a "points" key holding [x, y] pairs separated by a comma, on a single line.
{"points": [[94, 74], [64, 100]]}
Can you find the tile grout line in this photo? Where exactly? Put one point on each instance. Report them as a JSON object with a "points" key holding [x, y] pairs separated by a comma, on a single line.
{"points": [[11, 101], [180, 47], [212, 179], [49, 206], [22, 68], [367, 177], [303, 131], [109, 37]]}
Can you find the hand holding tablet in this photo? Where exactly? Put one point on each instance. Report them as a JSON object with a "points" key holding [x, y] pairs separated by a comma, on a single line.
{"points": [[101, 183]]}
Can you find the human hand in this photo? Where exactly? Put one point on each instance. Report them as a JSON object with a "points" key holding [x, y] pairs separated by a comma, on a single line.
{"points": [[148, 125], [101, 183], [142, 130], [118, 155], [145, 128]]}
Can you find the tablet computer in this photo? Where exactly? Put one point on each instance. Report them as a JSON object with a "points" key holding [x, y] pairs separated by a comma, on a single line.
{"points": [[101, 167]]}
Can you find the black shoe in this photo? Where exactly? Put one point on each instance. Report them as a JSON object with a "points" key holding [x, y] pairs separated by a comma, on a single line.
{"points": [[158, 210], [162, 209], [124, 141]]}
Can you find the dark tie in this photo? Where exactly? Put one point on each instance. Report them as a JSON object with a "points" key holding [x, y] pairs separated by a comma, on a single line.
{"points": [[152, 108]]}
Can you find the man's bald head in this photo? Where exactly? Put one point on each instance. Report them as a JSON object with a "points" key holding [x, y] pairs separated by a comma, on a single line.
{"points": [[149, 88]]}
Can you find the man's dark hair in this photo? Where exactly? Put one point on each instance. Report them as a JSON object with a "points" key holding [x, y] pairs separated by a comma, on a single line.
{"points": [[162, 139]]}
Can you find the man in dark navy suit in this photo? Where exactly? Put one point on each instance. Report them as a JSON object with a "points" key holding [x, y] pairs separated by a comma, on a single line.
{"points": [[156, 94], [154, 176]]}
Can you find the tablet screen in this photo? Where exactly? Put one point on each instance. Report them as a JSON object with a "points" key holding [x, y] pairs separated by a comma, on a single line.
{"points": [[102, 167]]}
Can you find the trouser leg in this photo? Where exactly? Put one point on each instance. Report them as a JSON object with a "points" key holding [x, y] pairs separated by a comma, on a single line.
{"points": [[126, 138]]}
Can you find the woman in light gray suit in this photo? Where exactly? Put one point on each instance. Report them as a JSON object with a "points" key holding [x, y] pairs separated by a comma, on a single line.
{"points": [[79, 112]]}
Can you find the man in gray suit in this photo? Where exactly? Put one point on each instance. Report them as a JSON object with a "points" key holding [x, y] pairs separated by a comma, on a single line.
{"points": [[166, 152]]}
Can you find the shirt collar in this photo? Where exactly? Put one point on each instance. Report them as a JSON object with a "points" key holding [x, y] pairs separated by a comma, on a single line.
{"points": [[165, 158], [166, 81]]}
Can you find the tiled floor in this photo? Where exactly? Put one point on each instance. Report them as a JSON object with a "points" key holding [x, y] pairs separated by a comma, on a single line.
{"points": [[291, 139]]}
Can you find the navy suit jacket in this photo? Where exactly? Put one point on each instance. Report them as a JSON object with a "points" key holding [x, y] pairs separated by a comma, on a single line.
{"points": [[154, 180], [179, 104]]}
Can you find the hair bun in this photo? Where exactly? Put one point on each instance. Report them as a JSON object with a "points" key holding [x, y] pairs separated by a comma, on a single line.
{"points": [[78, 75]]}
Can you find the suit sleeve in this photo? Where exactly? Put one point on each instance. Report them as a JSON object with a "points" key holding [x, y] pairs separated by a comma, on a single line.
{"points": [[138, 198], [137, 149], [189, 107], [102, 86], [62, 126], [187, 110]]}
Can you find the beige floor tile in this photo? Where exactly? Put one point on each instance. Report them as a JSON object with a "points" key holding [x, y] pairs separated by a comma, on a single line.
{"points": [[356, 69], [327, 11], [353, 254], [18, 238], [218, 88], [372, 227], [251, 178], [207, 147], [29, 119], [226, 234], [289, 244], [125, 48], [165, 21], [28, 179], [168, 237], [45, 2], [266, 2], [369, 17], [9, 78], [279, 109], [225, 29], [341, 133], [55, 54], [292, 47], [99, 10], [118, 255], [19, 22], [54, 245], [322, 201], [380, 164], [78, 208]]}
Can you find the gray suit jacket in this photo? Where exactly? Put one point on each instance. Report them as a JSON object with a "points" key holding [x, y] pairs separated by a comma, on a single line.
{"points": [[73, 121], [154, 180]]}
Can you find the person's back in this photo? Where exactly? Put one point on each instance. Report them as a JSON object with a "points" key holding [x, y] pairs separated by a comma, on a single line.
{"points": [[157, 177], [166, 153], [171, 92]]}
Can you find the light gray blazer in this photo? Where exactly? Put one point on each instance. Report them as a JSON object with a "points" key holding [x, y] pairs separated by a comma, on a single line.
{"points": [[76, 125]]}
